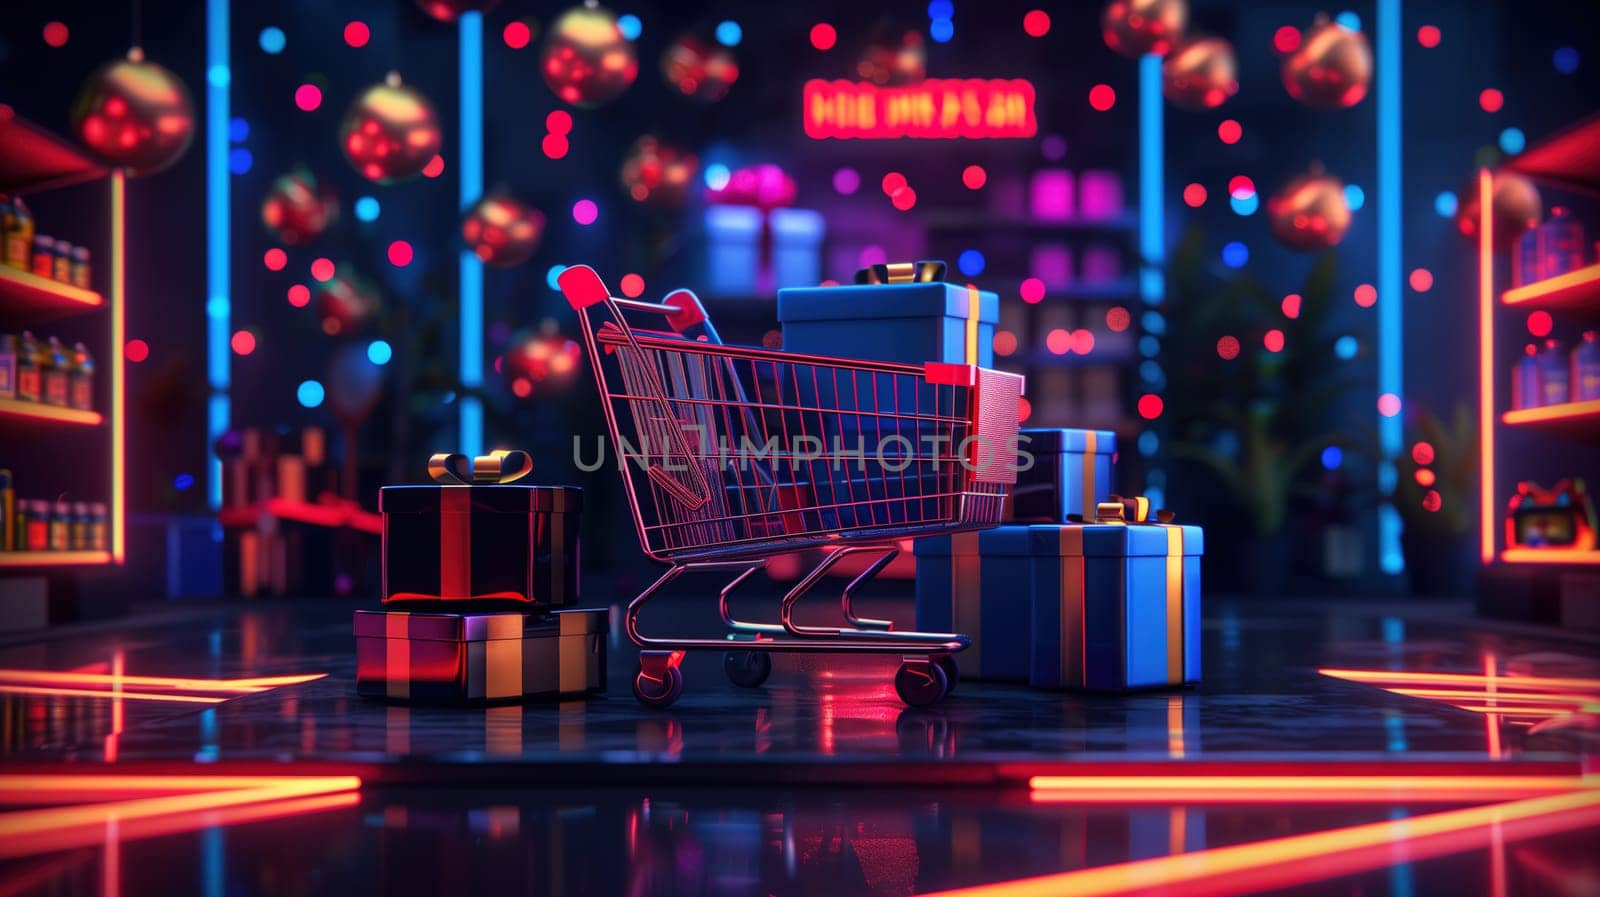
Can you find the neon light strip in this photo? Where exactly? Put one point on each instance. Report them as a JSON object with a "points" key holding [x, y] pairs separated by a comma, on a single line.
{"points": [[1391, 294], [1446, 694], [1486, 493], [261, 683], [471, 318], [1550, 556], [1282, 862], [96, 693], [1409, 678], [64, 787], [1555, 290], [39, 411], [1563, 411], [1282, 788], [219, 242], [1152, 226], [119, 367]]}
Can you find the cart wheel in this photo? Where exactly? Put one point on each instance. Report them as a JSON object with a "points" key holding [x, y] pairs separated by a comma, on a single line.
{"points": [[663, 693], [921, 684], [952, 673], [747, 669]]}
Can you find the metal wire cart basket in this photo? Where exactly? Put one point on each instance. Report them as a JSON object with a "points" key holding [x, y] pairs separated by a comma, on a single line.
{"points": [[731, 455]]}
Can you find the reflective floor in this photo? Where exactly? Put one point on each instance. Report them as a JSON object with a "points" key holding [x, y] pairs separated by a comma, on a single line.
{"points": [[818, 782]]}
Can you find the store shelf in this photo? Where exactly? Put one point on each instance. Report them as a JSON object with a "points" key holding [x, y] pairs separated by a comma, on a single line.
{"points": [[1576, 293], [1565, 159], [38, 411], [1582, 557], [1570, 415], [54, 558], [33, 159], [26, 297]]}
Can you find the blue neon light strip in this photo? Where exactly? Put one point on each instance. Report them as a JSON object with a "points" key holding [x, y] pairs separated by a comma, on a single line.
{"points": [[1152, 245], [219, 310], [471, 166], [1391, 295]]}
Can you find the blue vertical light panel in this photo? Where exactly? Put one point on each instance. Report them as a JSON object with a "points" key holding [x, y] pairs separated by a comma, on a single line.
{"points": [[1152, 226], [219, 303], [471, 165], [1391, 295]]}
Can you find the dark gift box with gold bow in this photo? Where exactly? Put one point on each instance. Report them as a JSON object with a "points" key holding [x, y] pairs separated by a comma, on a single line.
{"points": [[477, 535], [473, 657], [978, 584], [1116, 603]]}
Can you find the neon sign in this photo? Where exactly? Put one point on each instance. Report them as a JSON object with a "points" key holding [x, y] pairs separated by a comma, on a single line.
{"points": [[976, 108]]}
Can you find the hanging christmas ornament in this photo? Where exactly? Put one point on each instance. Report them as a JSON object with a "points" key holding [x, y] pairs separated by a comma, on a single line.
{"points": [[1331, 68], [502, 230], [451, 10], [297, 209], [586, 60], [1517, 208], [765, 186], [1200, 74], [134, 114], [894, 62], [390, 132], [346, 302], [699, 70], [1310, 212], [658, 174], [540, 357], [1136, 27]]}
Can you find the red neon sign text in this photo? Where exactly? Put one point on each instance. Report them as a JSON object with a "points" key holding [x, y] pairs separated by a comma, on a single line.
{"points": [[935, 108]]}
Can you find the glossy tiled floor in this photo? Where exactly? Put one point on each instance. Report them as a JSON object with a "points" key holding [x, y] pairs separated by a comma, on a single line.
{"points": [[819, 782]]}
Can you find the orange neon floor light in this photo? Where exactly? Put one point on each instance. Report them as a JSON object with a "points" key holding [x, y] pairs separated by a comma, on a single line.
{"points": [[1298, 859], [1279, 789], [255, 684]]}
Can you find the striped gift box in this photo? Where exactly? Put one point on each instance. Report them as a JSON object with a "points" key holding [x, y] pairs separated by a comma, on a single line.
{"points": [[479, 657]]}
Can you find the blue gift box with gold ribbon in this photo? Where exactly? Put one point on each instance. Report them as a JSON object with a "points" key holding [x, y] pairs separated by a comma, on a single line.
{"points": [[978, 584], [1070, 474], [1116, 603], [902, 312]]}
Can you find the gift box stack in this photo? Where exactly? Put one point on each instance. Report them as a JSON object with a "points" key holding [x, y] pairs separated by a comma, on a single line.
{"points": [[480, 579], [1080, 589]]}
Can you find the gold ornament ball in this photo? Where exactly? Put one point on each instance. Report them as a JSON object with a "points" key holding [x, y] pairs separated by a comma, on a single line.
{"points": [[658, 174], [1332, 67], [586, 61], [502, 230], [1136, 27], [134, 114], [1517, 208], [390, 132], [1201, 74], [1309, 212]]}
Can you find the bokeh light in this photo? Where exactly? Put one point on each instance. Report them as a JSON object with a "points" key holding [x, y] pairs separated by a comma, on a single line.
{"points": [[136, 350], [1388, 404], [299, 295], [516, 34], [1032, 291], [632, 286], [971, 262], [1244, 204], [1235, 254], [1424, 477], [717, 175], [1512, 141], [973, 177], [558, 121], [1540, 323], [1024, 409], [1228, 348], [55, 34], [729, 33], [308, 97], [1083, 341], [379, 352], [1286, 39], [823, 37], [941, 30], [1565, 60], [554, 146], [238, 130], [1058, 341], [1272, 340], [434, 168], [1241, 185], [1229, 131], [584, 211], [1432, 501], [1332, 457], [367, 208], [1005, 343], [1491, 100], [1346, 347], [630, 26], [846, 181], [240, 160], [904, 199], [310, 393], [1194, 196], [1291, 305], [1151, 406], [400, 253], [1422, 452], [1421, 279], [275, 259], [271, 40], [1354, 197], [1446, 204], [356, 33], [1428, 36], [243, 342], [1036, 23], [550, 276], [322, 270], [871, 254], [1366, 295], [1349, 19], [1118, 319], [1102, 97]]}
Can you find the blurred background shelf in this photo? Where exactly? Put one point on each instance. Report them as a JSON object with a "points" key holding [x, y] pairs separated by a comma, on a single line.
{"points": [[26, 297], [1575, 293], [1575, 416], [1580, 557], [14, 409], [54, 558]]}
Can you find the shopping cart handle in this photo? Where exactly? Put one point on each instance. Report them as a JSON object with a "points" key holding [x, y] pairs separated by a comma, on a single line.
{"points": [[682, 308]]}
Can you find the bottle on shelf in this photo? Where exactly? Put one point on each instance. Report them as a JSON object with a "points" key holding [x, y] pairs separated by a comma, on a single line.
{"points": [[55, 373], [80, 268], [8, 512], [1525, 259], [1525, 389], [44, 255], [1553, 387], [99, 526], [80, 386], [60, 524], [35, 525], [18, 228], [1585, 384], [30, 381], [62, 269], [1560, 240], [8, 366]]}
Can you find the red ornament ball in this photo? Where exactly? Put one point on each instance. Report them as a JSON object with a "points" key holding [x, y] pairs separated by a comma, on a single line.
{"points": [[346, 302], [134, 114], [297, 208], [1310, 212], [658, 174], [502, 230], [1201, 74], [699, 70], [540, 357], [1332, 67], [1136, 27], [1517, 207], [586, 61], [451, 10], [390, 132]]}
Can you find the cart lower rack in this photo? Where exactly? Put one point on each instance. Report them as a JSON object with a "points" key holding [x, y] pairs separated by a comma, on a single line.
{"points": [[731, 455]]}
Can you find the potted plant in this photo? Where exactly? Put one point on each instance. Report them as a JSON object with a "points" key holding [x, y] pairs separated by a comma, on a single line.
{"points": [[1434, 494]]}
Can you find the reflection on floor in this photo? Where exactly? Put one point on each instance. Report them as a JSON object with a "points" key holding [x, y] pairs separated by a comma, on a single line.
{"points": [[1427, 754]]}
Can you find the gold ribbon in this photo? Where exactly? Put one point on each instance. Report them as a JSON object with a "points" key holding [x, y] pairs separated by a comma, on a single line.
{"points": [[901, 272], [500, 467], [1135, 510]]}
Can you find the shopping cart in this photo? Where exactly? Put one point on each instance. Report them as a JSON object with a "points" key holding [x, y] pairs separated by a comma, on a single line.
{"points": [[733, 454]]}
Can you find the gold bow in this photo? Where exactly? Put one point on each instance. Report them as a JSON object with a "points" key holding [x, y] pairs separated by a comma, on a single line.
{"points": [[1133, 509], [501, 466]]}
